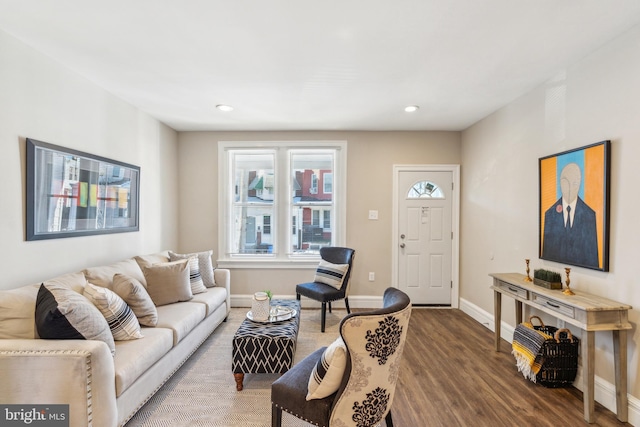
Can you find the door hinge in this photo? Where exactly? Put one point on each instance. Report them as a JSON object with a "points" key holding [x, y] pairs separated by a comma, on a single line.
{"points": [[452, 284], [452, 235]]}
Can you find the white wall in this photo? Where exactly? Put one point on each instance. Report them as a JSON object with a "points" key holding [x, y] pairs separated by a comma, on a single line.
{"points": [[370, 160], [43, 100], [593, 100]]}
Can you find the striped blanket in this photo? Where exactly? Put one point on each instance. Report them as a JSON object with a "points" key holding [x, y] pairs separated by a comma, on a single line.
{"points": [[526, 346]]}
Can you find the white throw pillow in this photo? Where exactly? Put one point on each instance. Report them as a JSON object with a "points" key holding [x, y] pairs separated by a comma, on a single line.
{"points": [[331, 274], [195, 279], [326, 377], [204, 262], [121, 319]]}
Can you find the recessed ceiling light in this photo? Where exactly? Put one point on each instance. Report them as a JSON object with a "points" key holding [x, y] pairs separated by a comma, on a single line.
{"points": [[223, 107], [411, 108]]}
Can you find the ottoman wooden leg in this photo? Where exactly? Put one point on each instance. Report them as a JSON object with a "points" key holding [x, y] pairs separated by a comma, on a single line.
{"points": [[239, 379]]}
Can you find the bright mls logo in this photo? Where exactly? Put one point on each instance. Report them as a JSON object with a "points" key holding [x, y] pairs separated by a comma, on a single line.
{"points": [[34, 415]]}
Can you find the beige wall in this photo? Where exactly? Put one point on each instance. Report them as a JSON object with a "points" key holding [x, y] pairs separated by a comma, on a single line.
{"points": [[43, 100], [591, 101], [371, 156]]}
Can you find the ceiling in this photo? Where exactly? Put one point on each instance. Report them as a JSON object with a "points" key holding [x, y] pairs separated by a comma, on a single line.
{"points": [[317, 65]]}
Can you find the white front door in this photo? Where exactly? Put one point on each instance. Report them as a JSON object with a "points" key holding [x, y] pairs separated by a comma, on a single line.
{"points": [[424, 235]]}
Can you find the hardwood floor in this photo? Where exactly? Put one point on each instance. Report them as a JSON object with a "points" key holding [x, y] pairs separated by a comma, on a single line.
{"points": [[451, 375]]}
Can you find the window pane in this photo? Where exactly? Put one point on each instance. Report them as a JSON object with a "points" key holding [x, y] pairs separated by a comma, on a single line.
{"points": [[253, 177], [425, 189], [253, 202], [309, 237], [248, 234], [312, 193], [309, 172]]}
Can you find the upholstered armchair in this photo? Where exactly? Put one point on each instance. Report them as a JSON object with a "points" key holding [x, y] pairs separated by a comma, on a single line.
{"points": [[331, 282], [352, 382]]}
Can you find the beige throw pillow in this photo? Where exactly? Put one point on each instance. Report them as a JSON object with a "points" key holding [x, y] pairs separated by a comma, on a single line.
{"points": [[137, 297], [168, 282]]}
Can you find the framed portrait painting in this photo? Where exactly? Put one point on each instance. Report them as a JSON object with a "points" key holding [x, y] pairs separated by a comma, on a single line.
{"points": [[574, 206]]}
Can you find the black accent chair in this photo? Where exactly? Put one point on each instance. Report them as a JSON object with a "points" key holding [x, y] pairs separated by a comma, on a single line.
{"points": [[326, 293], [374, 342]]}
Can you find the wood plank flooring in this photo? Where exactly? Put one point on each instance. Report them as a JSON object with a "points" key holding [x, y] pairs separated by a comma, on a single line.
{"points": [[451, 375]]}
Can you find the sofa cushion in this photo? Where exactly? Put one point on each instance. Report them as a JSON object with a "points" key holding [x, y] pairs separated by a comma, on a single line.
{"points": [[122, 322], [62, 313], [168, 282], [103, 275], [204, 262], [181, 318], [326, 377], [135, 357], [331, 274], [17, 312], [136, 297], [212, 299]]}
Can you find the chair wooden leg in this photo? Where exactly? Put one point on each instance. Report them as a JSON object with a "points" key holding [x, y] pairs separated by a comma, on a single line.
{"points": [[298, 297], [324, 316], [387, 419], [276, 416], [346, 302]]}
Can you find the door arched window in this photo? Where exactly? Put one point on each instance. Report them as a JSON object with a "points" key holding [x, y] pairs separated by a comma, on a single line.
{"points": [[424, 190]]}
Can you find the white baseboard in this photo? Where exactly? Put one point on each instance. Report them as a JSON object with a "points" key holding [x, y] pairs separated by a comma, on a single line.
{"points": [[604, 393], [356, 301]]}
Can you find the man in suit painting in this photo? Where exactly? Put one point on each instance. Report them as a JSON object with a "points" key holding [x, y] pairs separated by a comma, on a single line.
{"points": [[570, 225]]}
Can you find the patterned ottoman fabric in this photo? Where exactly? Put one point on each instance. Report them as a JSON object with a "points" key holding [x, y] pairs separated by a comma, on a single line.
{"points": [[265, 347]]}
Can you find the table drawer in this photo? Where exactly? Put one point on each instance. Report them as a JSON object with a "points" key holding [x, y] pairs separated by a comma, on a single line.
{"points": [[512, 289], [553, 305]]}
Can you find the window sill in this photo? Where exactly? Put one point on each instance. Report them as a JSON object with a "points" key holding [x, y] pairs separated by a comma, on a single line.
{"points": [[272, 263]]}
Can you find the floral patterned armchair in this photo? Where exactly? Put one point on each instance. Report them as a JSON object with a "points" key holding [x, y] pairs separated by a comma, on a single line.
{"points": [[365, 386]]}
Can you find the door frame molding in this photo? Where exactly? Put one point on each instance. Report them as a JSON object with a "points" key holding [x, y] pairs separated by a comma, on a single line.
{"points": [[455, 224]]}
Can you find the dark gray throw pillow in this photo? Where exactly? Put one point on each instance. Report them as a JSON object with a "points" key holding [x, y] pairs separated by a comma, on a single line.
{"points": [[64, 314]]}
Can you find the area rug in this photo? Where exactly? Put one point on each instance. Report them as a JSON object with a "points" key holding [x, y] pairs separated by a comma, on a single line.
{"points": [[203, 392]]}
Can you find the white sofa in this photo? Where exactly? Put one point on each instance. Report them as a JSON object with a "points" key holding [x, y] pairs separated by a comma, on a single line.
{"points": [[101, 389]]}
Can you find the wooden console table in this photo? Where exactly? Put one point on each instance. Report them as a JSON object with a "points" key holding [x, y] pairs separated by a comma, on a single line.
{"points": [[590, 313]]}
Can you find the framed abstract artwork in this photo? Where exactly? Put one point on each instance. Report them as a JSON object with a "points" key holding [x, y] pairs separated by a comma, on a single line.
{"points": [[574, 206], [71, 193]]}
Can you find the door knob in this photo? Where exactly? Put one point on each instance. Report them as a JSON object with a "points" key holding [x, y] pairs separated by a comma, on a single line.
{"points": [[402, 236], [402, 245]]}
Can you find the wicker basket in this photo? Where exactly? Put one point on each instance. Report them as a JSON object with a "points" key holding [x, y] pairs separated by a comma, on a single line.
{"points": [[560, 357]]}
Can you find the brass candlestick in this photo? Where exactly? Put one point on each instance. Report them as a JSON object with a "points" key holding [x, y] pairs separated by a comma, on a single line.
{"points": [[527, 279], [568, 291]]}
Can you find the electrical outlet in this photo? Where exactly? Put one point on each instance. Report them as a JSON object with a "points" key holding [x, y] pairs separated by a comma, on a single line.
{"points": [[373, 214], [372, 276]]}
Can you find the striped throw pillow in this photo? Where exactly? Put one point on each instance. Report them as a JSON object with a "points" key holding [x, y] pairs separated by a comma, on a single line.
{"points": [[326, 377], [331, 274], [121, 319], [195, 279]]}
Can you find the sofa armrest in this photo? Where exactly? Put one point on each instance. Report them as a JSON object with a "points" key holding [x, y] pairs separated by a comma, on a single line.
{"points": [[222, 277], [74, 372]]}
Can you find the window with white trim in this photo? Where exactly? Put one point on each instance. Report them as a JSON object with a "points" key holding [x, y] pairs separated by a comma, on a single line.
{"points": [[280, 201]]}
